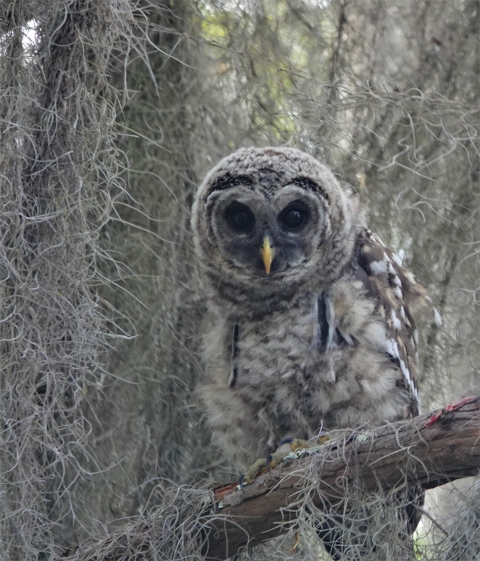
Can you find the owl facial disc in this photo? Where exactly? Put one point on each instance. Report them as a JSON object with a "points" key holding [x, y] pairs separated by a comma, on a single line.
{"points": [[268, 220]]}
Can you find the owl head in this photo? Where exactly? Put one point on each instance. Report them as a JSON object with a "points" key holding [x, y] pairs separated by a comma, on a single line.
{"points": [[269, 220]]}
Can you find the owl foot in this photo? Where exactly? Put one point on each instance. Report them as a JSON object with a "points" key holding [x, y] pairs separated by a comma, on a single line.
{"points": [[452, 407], [287, 446], [251, 473], [291, 445]]}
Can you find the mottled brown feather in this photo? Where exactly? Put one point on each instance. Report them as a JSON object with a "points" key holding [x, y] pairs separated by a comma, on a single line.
{"points": [[395, 293]]}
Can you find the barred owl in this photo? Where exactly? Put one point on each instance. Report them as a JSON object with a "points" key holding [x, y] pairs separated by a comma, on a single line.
{"points": [[311, 315]]}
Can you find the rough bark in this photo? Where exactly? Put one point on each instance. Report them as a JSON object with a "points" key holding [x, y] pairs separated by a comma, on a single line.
{"points": [[407, 452], [416, 453]]}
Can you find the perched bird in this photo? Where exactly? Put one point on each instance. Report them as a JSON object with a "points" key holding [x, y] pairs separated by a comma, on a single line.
{"points": [[311, 315]]}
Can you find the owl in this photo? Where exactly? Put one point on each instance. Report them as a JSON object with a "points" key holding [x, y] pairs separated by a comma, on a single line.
{"points": [[311, 315]]}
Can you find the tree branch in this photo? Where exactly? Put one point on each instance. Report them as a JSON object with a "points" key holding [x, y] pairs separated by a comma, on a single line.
{"points": [[427, 451], [407, 452]]}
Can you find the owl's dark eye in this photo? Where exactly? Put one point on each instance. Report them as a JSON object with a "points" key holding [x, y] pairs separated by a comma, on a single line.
{"points": [[240, 217], [293, 217]]}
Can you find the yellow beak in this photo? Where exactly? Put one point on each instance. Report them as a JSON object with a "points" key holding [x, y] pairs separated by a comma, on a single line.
{"points": [[267, 254]]}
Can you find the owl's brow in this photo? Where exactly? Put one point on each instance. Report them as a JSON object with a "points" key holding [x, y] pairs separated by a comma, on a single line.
{"points": [[309, 185], [228, 181]]}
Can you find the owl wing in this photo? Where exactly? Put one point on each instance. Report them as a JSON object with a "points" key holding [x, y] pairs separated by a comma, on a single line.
{"points": [[396, 296]]}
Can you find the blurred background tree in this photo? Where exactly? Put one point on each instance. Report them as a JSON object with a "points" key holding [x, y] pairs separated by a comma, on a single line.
{"points": [[111, 113]]}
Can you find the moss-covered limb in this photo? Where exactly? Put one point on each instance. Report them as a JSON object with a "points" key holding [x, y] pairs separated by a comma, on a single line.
{"points": [[406, 452], [215, 525]]}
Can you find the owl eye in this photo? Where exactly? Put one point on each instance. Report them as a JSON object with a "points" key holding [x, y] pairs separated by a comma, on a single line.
{"points": [[240, 217], [293, 217]]}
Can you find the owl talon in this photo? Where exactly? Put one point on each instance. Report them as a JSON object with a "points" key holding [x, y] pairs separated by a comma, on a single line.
{"points": [[290, 445], [299, 444], [252, 472], [286, 446], [275, 459]]}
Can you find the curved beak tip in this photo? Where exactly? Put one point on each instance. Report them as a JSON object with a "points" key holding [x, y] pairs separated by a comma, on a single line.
{"points": [[267, 254]]}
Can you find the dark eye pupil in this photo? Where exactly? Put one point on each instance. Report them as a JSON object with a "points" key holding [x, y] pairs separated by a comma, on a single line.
{"points": [[240, 218], [293, 218]]}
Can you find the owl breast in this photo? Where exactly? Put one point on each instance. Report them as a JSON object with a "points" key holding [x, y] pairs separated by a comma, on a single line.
{"points": [[319, 365]]}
